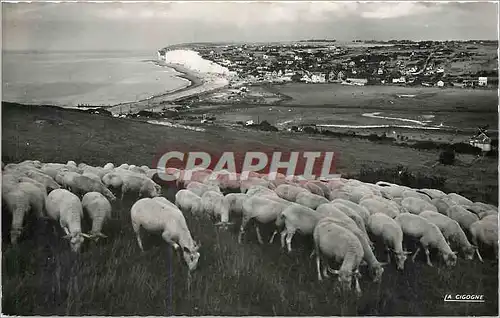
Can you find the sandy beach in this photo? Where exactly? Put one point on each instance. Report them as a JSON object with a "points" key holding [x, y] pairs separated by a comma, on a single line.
{"points": [[199, 83]]}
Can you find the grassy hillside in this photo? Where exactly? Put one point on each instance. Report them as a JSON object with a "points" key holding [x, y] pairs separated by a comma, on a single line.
{"points": [[112, 277]]}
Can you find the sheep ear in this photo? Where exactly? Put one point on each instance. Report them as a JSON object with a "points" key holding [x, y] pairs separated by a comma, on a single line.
{"points": [[102, 235], [407, 253], [86, 235]]}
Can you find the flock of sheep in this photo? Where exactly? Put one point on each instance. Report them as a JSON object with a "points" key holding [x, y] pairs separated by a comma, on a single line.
{"points": [[343, 216]]}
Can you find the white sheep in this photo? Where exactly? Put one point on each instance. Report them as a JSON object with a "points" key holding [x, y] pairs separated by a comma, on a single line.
{"points": [[245, 185], [52, 169], [485, 232], [80, 185], [235, 201], [66, 208], [22, 199], [428, 234], [353, 214], [109, 166], [295, 218], [313, 188], [462, 216], [452, 232], [92, 176], [365, 214], [432, 193], [259, 190], [215, 205], [98, 209], [289, 192], [261, 209], [310, 200], [386, 229], [415, 194], [482, 210], [164, 200], [199, 188], [188, 201], [139, 184], [337, 242], [458, 199], [322, 185], [153, 215], [335, 194], [443, 204], [416, 205], [44, 179], [377, 205]]}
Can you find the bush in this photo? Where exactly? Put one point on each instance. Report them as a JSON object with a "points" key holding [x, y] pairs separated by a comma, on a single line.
{"points": [[447, 157]]}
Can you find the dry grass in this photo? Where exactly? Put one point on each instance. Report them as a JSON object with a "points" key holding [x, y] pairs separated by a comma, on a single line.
{"points": [[112, 277]]}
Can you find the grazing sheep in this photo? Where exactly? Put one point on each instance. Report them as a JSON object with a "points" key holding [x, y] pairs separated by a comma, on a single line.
{"points": [[260, 190], [52, 169], [310, 200], [109, 166], [339, 194], [295, 218], [432, 193], [356, 193], [452, 232], [124, 166], [429, 236], [65, 178], [482, 210], [374, 266], [263, 210], [200, 188], [188, 201], [92, 176], [458, 199], [485, 232], [330, 210], [289, 192], [245, 185], [215, 205], [337, 242], [139, 184], [385, 228], [21, 199], [462, 216], [154, 215], [98, 209], [80, 185], [416, 205], [313, 188], [235, 201], [443, 204], [66, 208], [138, 170], [365, 214], [377, 205], [322, 185], [44, 179], [353, 215], [415, 194], [164, 200], [98, 171]]}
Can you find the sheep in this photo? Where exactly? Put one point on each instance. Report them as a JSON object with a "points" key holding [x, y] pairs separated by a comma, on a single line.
{"points": [[416, 205], [109, 166], [80, 185], [321, 185], [356, 193], [482, 210], [124, 166], [485, 231], [429, 236], [458, 199], [337, 242], [374, 266], [295, 218], [415, 194], [330, 210], [153, 215], [353, 215], [443, 204], [384, 227], [361, 210], [260, 190], [65, 178], [289, 192], [313, 188], [263, 210], [98, 209], [139, 184], [52, 169], [65, 207], [138, 170], [310, 200], [452, 232], [188, 201], [245, 185], [98, 171], [377, 205], [432, 193], [235, 201], [339, 194], [200, 188], [462, 216], [92, 176], [44, 179], [215, 205], [20, 199], [164, 200]]}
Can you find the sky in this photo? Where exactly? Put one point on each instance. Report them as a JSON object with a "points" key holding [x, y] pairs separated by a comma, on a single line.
{"points": [[148, 25]]}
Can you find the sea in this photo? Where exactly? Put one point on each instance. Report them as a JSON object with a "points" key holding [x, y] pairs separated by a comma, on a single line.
{"points": [[93, 78]]}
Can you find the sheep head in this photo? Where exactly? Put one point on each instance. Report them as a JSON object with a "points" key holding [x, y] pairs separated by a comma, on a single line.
{"points": [[450, 259], [76, 240], [191, 257], [469, 251], [400, 259]]}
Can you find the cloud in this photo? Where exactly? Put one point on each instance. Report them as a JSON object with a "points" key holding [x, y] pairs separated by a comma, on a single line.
{"points": [[400, 9]]}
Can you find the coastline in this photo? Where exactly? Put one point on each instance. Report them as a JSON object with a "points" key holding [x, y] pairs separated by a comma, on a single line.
{"points": [[198, 84]]}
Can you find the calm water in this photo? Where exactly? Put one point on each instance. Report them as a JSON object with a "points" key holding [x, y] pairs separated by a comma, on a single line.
{"points": [[96, 78]]}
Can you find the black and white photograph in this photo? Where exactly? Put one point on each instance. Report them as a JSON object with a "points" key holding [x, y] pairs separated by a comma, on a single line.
{"points": [[249, 158]]}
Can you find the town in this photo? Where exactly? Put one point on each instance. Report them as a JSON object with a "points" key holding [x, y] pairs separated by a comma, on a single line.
{"points": [[424, 63]]}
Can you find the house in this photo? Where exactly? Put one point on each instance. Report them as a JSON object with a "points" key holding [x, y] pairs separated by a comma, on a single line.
{"points": [[357, 81], [440, 84], [481, 141], [380, 71], [482, 81], [341, 75], [305, 78], [401, 79], [332, 76], [318, 78]]}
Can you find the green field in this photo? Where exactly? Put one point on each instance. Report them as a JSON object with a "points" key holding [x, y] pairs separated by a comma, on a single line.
{"points": [[113, 277]]}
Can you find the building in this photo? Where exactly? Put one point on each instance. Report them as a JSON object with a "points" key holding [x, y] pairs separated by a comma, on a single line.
{"points": [[357, 81], [482, 81], [440, 84]]}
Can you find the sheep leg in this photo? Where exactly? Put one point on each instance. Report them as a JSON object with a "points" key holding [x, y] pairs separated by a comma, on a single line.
{"points": [[318, 266], [137, 231], [358, 288], [244, 223], [479, 255], [415, 255], [388, 255], [427, 254], [259, 236], [166, 236], [289, 237], [272, 236], [283, 235]]}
